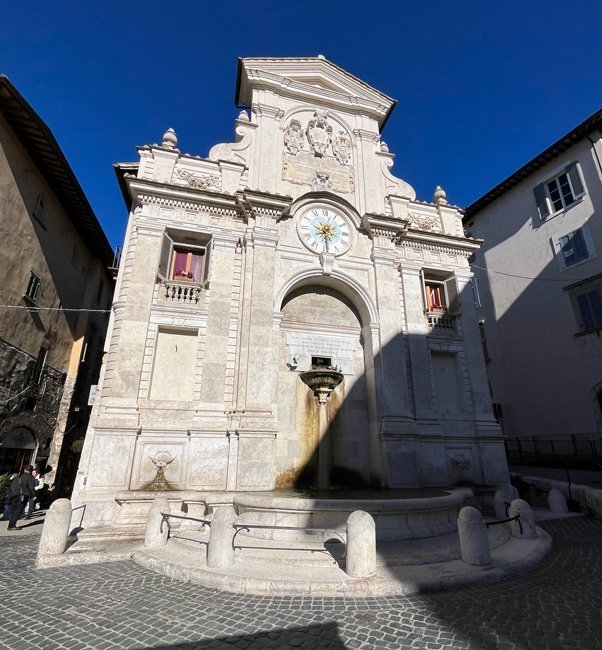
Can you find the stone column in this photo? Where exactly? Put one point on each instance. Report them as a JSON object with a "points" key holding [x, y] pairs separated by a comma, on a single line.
{"points": [[474, 541], [419, 353], [527, 528], [557, 502], [220, 550], [324, 461], [258, 349], [217, 334], [157, 529], [360, 559], [55, 532]]}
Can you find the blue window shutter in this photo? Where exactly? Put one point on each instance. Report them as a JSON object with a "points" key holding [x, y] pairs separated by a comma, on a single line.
{"points": [[573, 172], [542, 201]]}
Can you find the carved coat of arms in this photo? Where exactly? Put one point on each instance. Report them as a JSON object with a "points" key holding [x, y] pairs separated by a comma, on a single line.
{"points": [[319, 133], [293, 137], [341, 148]]}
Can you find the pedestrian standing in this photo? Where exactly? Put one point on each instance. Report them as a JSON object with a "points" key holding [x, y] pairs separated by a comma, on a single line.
{"points": [[6, 497], [31, 501], [21, 489]]}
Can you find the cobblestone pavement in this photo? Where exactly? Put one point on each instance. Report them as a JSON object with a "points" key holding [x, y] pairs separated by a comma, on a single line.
{"points": [[558, 604]]}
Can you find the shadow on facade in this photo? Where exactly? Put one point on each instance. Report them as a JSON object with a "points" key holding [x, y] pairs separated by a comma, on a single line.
{"points": [[544, 370], [437, 377]]}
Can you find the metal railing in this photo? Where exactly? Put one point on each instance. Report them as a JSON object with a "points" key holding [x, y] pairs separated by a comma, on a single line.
{"points": [[572, 447], [166, 516], [505, 521], [328, 531]]}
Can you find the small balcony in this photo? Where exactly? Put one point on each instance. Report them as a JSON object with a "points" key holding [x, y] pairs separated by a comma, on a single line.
{"points": [[440, 322], [181, 292]]}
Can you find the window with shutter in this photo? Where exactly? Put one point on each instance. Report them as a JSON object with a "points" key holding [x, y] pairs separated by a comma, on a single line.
{"points": [[184, 257], [574, 247], [440, 292], [560, 192], [586, 297]]}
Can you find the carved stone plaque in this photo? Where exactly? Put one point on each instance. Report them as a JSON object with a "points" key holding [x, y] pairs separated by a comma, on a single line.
{"points": [[302, 347], [302, 169]]}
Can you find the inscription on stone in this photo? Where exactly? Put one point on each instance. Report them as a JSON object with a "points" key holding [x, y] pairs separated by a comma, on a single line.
{"points": [[301, 169], [301, 348]]}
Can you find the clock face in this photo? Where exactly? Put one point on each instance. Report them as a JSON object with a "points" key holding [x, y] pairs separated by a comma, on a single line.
{"points": [[324, 230]]}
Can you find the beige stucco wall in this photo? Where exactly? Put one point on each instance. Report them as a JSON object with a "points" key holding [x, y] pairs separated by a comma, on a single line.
{"points": [[69, 278], [541, 373]]}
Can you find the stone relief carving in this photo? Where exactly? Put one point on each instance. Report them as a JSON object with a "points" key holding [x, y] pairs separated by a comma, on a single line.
{"points": [[460, 463], [424, 222], [293, 137], [198, 181], [327, 164], [322, 183], [161, 460], [319, 133], [341, 148]]}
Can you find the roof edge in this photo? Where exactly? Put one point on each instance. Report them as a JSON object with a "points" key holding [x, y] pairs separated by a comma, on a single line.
{"points": [[592, 123]]}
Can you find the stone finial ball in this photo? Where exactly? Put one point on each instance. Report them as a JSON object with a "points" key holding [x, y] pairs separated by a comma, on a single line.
{"points": [[170, 139], [384, 147], [440, 195], [243, 116]]}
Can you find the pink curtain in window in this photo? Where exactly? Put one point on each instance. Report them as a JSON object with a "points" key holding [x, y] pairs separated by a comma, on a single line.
{"points": [[179, 265], [196, 266]]}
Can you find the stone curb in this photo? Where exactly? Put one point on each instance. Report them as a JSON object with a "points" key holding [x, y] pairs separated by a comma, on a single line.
{"points": [[451, 574], [590, 499]]}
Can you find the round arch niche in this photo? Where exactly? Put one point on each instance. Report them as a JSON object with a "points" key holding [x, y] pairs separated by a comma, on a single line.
{"points": [[320, 323]]}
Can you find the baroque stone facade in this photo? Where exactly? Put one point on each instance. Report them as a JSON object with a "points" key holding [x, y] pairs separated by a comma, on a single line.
{"points": [[290, 248]]}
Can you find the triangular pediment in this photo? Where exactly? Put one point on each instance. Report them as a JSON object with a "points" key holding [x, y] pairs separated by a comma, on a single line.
{"points": [[310, 78]]}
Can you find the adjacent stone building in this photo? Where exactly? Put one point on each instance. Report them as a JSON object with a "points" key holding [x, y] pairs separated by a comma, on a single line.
{"points": [[55, 261], [292, 247], [540, 281]]}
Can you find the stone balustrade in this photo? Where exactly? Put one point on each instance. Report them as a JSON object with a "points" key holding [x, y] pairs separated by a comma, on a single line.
{"points": [[181, 292], [441, 323]]}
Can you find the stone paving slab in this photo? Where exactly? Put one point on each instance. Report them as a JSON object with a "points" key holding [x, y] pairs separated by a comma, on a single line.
{"points": [[558, 604]]}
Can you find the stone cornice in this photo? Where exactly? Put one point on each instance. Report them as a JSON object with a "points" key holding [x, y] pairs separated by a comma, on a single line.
{"points": [[380, 225], [448, 242], [153, 192], [313, 80], [262, 204]]}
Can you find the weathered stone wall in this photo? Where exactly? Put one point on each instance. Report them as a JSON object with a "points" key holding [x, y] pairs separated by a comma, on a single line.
{"points": [[18, 397]]}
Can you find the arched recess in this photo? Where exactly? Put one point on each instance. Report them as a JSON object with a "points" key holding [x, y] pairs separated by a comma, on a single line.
{"points": [[338, 281], [17, 446], [332, 316]]}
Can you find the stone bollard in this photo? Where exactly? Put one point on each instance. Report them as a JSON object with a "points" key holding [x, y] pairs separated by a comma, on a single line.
{"points": [[527, 520], [557, 502], [220, 549], [360, 559], [157, 530], [55, 532], [474, 540], [505, 494]]}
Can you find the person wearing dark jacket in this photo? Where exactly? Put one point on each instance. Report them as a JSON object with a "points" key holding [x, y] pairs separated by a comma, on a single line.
{"points": [[22, 488], [6, 497]]}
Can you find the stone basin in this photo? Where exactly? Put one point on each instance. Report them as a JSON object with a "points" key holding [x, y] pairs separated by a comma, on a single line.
{"points": [[321, 380], [398, 514]]}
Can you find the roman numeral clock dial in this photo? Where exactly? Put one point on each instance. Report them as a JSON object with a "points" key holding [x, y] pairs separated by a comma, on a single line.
{"points": [[324, 230]]}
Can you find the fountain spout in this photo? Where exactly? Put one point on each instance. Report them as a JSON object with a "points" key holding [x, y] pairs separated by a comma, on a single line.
{"points": [[322, 382]]}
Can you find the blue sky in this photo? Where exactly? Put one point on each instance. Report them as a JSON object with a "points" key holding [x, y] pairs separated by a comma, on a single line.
{"points": [[482, 86]]}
